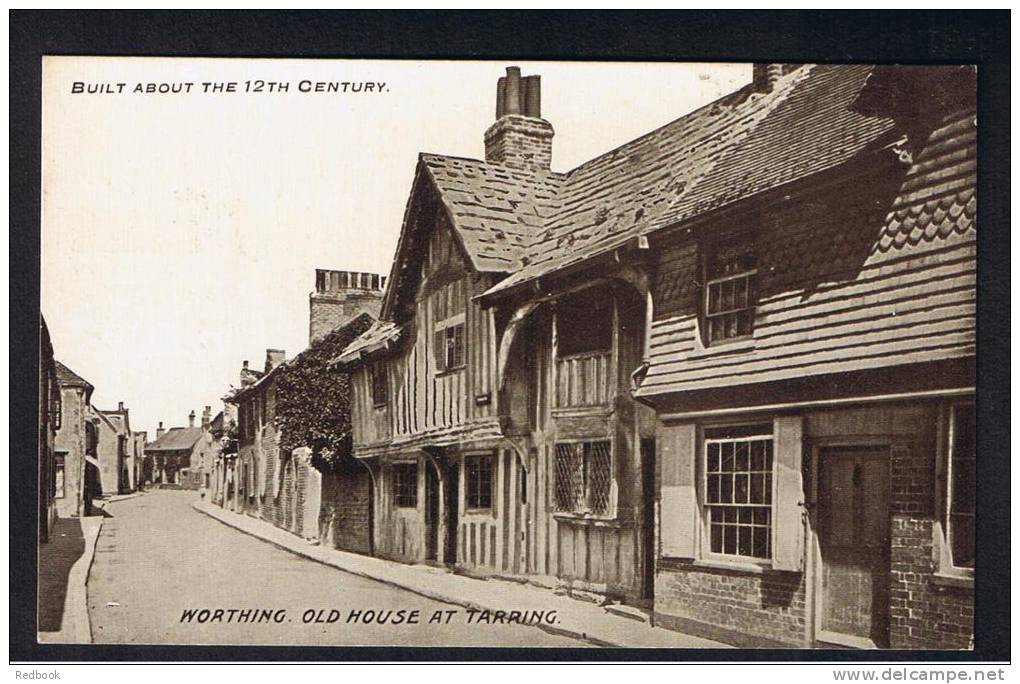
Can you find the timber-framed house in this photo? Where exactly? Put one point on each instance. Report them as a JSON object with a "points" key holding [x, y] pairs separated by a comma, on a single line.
{"points": [[725, 371]]}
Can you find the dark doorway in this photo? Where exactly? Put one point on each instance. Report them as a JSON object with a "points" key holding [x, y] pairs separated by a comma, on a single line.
{"points": [[431, 512], [648, 519], [371, 516], [93, 488], [452, 491]]}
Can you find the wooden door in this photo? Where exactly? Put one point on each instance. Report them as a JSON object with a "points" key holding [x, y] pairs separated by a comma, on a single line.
{"points": [[853, 536]]}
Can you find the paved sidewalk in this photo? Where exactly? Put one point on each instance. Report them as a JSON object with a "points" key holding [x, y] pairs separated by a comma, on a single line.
{"points": [[576, 619], [68, 621]]}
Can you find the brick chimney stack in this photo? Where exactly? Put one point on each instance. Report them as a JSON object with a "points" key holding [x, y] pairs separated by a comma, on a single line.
{"points": [[120, 405], [206, 417], [274, 357], [160, 430], [191, 419], [765, 76], [341, 296], [520, 138]]}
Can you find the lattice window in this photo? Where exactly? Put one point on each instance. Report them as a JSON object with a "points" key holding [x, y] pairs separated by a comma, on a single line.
{"points": [[405, 479], [738, 495], [478, 484], [962, 494], [730, 295], [583, 477]]}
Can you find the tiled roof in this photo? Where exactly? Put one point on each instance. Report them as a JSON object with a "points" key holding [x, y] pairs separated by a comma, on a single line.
{"points": [[68, 378], [495, 209], [813, 129], [615, 197], [739, 146], [379, 335], [529, 225], [176, 439], [938, 197]]}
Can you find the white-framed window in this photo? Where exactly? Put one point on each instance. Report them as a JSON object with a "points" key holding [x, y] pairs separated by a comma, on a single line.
{"points": [[737, 484], [730, 293], [960, 492]]}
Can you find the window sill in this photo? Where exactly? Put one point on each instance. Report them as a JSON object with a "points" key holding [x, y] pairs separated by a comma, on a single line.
{"points": [[944, 579], [740, 345], [581, 519], [586, 410], [749, 567], [479, 513]]}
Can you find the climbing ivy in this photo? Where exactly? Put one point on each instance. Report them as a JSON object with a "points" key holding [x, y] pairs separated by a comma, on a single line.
{"points": [[313, 399]]}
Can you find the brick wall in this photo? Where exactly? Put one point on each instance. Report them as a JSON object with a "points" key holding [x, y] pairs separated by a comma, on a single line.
{"points": [[922, 613], [328, 311], [346, 509], [520, 142], [738, 607]]}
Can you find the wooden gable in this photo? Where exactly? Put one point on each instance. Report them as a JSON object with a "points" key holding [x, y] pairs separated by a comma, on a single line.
{"points": [[429, 249]]}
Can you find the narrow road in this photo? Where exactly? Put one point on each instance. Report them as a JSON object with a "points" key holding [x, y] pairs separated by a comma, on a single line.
{"points": [[157, 558]]}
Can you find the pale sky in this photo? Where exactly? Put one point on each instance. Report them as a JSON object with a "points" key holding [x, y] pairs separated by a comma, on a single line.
{"points": [[181, 232]]}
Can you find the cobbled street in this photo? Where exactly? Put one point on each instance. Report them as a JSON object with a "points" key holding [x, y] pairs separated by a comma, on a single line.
{"points": [[157, 557]]}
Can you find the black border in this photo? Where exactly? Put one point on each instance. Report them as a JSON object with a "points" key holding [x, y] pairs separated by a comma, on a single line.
{"points": [[971, 37]]}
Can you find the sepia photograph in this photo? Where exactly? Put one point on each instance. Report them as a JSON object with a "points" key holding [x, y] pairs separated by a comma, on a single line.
{"points": [[508, 353]]}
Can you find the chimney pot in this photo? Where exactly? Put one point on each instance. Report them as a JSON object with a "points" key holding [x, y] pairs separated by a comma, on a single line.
{"points": [[120, 405], [500, 96], [245, 364], [533, 97], [512, 92], [191, 419]]}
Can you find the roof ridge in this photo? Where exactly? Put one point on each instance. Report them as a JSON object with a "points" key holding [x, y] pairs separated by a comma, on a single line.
{"points": [[733, 95]]}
